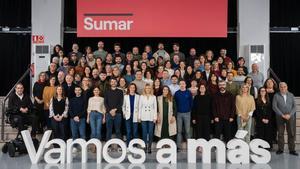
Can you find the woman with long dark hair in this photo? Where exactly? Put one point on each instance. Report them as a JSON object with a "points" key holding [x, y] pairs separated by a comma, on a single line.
{"points": [[38, 89], [166, 121], [263, 116]]}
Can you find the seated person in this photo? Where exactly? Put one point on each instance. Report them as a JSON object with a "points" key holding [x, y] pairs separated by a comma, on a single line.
{"points": [[20, 105]]}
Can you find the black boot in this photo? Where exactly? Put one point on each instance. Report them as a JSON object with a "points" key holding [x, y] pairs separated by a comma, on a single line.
{"points": [[146, 149], [149, 149]]}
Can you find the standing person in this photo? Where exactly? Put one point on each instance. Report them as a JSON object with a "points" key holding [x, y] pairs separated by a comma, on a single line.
{"points": [[139, 82], [58, 112], [263, 114], [87, 92], [223, 112], [184, 102], [77, 114], [202, 113], [48, 93], [257, 76], [96, 114], [285, 107], [166, 120], [174, 87], [100, 52], [231, 85], [130, 112], [37, 92], [245, 106], [147, 115], [113, 101], [157, 87], [69, 86], [271, 88]]}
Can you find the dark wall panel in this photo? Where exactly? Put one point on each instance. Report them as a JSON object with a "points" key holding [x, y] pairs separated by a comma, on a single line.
{"points": [[285, 59], [15, 58]]}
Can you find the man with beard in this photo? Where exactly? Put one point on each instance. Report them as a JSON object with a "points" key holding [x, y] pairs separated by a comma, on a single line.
{"points": [[223, 112]]}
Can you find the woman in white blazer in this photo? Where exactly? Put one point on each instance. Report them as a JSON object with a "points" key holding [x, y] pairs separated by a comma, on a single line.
{"points": [[130, 112], [147, 115]]}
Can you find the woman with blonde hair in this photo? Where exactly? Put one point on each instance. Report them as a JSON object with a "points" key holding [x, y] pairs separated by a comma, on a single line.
{"points": [[147, 115], [245, 105], [166, 121]]}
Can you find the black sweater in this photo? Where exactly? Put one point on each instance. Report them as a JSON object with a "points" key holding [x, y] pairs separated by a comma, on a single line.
{"points": [[38, 89], [202, 106], [262, 111], [113, 99], [15, 103], [76, 107]]}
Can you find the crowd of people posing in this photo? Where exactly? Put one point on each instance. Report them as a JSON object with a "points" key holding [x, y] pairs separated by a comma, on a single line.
{"points": [[156, 95]]}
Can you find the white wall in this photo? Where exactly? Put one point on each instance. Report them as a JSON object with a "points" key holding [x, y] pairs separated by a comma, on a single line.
{"points": [[47, 20], [253, 29]]}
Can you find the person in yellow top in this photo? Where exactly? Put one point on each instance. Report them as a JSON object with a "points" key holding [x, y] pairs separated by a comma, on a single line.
{"points": [[48, 94], [245, 106]]}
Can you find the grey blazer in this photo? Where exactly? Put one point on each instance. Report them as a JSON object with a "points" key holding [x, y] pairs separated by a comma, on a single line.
{"points": [[280, 107]]}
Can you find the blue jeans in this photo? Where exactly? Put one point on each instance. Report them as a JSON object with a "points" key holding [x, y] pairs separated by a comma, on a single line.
{"points": [[131, 130], [247, 127], [96, 124], [113, 122], [185, 120], [78, 128], [147, 127]]}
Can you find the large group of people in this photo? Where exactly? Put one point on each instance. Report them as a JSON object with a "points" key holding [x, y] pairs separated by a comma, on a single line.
{"points": [[154, 95]]}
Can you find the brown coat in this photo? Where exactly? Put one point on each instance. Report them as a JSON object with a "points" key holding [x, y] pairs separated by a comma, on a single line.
{"points": [[158, 126]]}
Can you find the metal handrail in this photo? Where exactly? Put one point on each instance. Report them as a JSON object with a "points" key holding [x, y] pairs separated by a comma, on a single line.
{"points": [[271, 71], [7, 96]]}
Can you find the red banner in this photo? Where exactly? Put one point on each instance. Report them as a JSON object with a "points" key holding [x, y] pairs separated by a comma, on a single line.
{"points": [[152, 18]]}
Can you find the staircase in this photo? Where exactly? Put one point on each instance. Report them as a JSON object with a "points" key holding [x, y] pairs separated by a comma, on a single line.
{"points": [[10, 133]]}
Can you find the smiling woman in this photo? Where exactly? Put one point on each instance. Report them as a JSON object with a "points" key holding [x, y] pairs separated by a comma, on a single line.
{"points": [[110, 25]]}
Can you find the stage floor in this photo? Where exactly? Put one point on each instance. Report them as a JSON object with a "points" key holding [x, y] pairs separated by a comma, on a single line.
{"points": [[23, 162]]}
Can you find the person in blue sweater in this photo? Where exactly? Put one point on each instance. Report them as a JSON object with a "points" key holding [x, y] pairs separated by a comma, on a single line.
{"points": [[184, 103], [77, 114]]}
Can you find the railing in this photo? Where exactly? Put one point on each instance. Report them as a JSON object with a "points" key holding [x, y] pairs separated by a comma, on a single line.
{"points": [[27, 72], [271, 72]]}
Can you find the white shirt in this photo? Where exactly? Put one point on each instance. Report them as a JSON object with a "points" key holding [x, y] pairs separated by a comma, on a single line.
{"points": [[284, 97], [20, 96], [174, 88]]}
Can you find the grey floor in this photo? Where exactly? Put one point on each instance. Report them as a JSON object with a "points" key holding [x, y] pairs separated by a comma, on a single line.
{"points": [[284, 161]]}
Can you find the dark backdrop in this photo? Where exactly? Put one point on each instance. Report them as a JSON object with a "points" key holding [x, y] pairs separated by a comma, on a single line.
{"points": [[285, 51], [15, 58]]}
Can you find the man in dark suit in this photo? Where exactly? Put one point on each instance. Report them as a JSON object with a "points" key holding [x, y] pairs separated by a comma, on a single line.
{"points": [[206, 74]]}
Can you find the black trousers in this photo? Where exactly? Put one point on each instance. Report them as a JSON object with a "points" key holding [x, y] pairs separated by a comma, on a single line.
{"points": [[202, 127], [39, 112], [264, 132], [59, 128], [223, 127], [22, 119]]}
